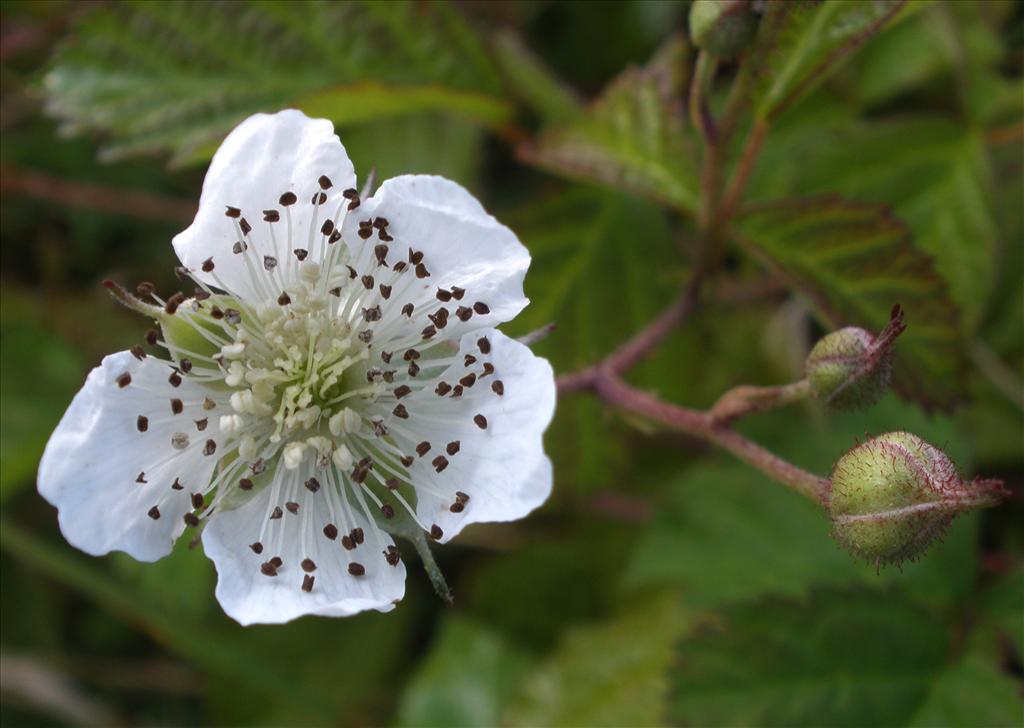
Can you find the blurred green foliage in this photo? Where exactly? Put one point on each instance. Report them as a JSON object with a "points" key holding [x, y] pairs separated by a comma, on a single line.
{"points": [[663, 583]]}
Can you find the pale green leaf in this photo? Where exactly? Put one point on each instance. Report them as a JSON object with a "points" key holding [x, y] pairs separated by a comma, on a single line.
{"points": [[854, 261], [633, 137]]}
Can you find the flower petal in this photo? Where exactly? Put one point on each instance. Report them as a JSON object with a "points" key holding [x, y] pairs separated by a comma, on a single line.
{"points": [[251, 596], [499, 461], [105, 475], [462, 246], [264, 157]]}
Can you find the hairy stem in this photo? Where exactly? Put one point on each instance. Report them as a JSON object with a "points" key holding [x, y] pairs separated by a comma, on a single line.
{"points": [[744, 400]]}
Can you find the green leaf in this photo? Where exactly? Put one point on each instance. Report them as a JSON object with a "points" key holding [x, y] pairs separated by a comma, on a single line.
{"points": [[968, 694], [584, 244], [176, 76], [607, 674], [528, 79], [1003, 605], [854, 261], [633, 137], [844, 659], [801, 42], [466, 679]]}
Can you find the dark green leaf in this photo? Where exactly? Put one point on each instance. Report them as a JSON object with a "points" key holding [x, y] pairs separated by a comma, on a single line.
{"points": [[528, 79], [968, 694], [632, 138], [854, 261], [801, 42], [158, 76]]}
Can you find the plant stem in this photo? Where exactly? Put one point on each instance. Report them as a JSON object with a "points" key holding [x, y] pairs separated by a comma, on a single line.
{"points": [[744, 400], [740, 177]]}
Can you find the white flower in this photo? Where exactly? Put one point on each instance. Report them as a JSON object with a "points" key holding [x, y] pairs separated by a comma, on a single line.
{"points": [[336, 365]]}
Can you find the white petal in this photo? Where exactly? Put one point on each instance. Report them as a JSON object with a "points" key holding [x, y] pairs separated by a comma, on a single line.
{"points": [[502, 467], [251, 597], [462, 246], [94, 457], [262, 158]]}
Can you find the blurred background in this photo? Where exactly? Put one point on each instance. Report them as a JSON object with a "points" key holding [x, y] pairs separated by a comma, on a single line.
{"points": [[663, 583]]}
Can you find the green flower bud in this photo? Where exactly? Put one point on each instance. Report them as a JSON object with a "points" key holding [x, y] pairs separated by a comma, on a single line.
{"points": [[722, 27], [850, 369], [892, 496]]}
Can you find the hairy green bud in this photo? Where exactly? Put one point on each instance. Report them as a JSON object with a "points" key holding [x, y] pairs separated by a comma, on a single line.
{"points": [[850, 369], [893, 495], [722, 27]]}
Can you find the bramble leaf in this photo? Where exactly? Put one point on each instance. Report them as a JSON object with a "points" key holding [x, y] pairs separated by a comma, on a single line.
{"points": [[854, 261]]}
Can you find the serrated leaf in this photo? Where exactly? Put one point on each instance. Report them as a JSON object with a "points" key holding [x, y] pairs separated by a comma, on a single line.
{"points": [[612, 673], [844, 659], [175, 76], [854, 261], [465, 680], [585, 244], [800, 42], [968, 694], [632, 138]]}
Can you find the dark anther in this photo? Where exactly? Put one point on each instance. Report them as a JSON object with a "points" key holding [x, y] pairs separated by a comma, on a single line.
{"points": [[402, 391], [458, 293], [331, 531], [258, 466], [335, 237], [463, 313], [257, 547], [421, 271], [207, 265], [407, 460], [392, 556], [439, 463], [145, 288], [414, 369], [142, 423], [233, 212], [457, 507], [411, 354], [271, 215], [468, 381], [415, 257], [284, 299], [442, 389], [308, 565], [351, 272], [336, 292], [276, 561], [210, 447], [177, 406], [245, 226], [497, 387], [428, 332], [141, 477], [367, 282], [327, 228], [151, 337], [381, 222], [176, 485], [216, 313], [353, 205], [173, 302], [208, 404], [359, 474], [456, 391], [385, 291], [379, 429], [381, 253], [356, 569], [276, 513], [392, 483], [407, 310], [292, 507], [301, 253], [436, 533], [199, 294], [324, 182], [399, 266], [269, 262], [357, 535], [232, 316], [484, 345], [423, 448], [312, 485], [469, 360], [452, 447], [123, 379], [443, 295], [481, 308], [201, 424], [365, 232], [239, 247], [383, 235], [461, 497], [268, 569], [400, 412], [387, 511], [185, 365], [488, 369], [365, 336], [386, 356], [350, 194], [153, 513], [191, 519], [287, 199], [245, 484], [372, 314], [439, 318], [348, 543], [307, 582], [480, 421], [319, 198], [197, 500]]}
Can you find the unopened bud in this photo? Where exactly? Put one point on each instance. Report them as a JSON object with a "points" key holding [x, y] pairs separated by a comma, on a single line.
{"points": [[850, 369], [892, 496], [722, 27]]}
